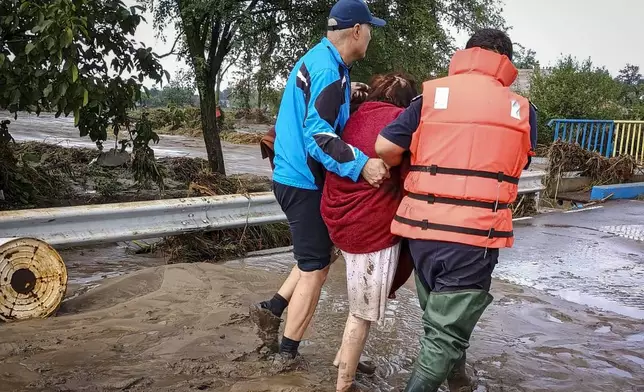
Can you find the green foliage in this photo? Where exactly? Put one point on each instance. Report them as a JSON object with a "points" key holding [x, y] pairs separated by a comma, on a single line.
{"points": [[577, 90], [632, 93], [417, 39], [179, 92], [144, 166], [74, 57], [524, 58], [5, 136]]}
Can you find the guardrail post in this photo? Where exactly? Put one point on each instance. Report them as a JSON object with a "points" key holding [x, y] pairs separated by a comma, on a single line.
{"points": [[556, 130], [609, 144]]}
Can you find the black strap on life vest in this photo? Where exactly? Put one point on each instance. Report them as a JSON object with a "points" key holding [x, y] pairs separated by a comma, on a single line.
{"points": [[426, 225], [434, 170], [431, 199]]}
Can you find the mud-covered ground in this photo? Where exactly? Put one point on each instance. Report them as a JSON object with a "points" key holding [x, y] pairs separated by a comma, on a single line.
{"points": [[185, 327]]}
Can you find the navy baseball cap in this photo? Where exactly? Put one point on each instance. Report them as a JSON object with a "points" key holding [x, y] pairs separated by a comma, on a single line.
{"points": [[348, 13]]}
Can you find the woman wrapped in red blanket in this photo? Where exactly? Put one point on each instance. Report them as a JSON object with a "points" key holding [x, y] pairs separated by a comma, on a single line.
{"points": [[359, 216]]}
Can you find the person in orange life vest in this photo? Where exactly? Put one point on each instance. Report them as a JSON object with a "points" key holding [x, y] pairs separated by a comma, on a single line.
{"points": [[370, 251], [469, 137]]}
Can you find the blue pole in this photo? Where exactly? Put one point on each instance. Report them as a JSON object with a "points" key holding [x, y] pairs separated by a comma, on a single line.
{"points": [[583, 139], [596, 137], [601, 147], [577, 132], [609, 147], [556, 131], [563, 136]]}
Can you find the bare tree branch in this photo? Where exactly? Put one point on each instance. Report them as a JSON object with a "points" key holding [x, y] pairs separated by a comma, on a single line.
{"points": [[174, 45]]}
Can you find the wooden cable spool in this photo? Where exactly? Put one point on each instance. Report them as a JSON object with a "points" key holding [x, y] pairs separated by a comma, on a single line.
{"points": [[33, 279]]}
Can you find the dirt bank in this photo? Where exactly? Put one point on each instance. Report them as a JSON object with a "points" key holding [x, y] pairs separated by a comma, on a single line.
{"points": [[184, 327]]}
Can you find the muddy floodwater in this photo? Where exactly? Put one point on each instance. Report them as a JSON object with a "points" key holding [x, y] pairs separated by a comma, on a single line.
{"points": [[184, 327]]}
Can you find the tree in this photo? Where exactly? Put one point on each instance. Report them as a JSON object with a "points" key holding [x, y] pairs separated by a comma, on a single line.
{"points": [[632, 85], [208, 30], [417, 39], [524, 58], [74, 56], [180, 90], [574, 90]]}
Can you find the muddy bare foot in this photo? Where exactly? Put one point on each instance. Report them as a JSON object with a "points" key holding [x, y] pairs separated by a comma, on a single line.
{"points": [[268, 326]]}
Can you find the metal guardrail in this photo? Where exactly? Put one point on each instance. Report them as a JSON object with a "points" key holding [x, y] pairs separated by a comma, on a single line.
{"points": [[87, 225], [595, 135], [629, 139], [610, 138], [104, 223]]}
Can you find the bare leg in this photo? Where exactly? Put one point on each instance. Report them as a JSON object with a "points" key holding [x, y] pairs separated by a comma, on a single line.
{"points": [[353, 342], [336, 361], [288, 287], [304, 302]]}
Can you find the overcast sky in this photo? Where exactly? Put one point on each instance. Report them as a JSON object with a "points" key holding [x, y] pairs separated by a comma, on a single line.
{"points": [[611, 32]]}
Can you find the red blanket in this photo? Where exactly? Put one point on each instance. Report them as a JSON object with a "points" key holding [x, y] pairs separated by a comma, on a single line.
{"points": [[359, 216]]}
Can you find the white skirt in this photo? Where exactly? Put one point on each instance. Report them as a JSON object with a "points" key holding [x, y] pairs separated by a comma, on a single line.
{"points": [[369, 279]]}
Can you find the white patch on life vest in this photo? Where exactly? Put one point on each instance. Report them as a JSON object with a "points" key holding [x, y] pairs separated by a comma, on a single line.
{"points": [[515, 109], [441, 98]]}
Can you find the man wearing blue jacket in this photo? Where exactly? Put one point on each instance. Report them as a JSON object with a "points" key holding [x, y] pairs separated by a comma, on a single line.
{"points": [[312, 115]]}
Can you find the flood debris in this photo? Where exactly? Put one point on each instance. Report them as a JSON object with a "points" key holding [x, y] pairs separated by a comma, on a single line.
{"points": [[568, 157], [226, 244], [52, 176], [236, 137], [39, 175], [525, 205]]}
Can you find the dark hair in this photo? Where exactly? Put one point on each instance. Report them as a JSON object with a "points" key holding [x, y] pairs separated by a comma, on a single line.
{"points": [[359, 93], [395, 88], [491, 39]]}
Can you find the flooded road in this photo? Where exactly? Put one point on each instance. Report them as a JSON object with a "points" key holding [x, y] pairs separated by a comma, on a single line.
{"points": [[182, 332], [184, 327], [593, 257], [61, 131]]}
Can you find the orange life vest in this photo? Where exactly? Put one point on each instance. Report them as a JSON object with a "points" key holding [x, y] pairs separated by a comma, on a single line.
{"points": [[467, 155]]}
